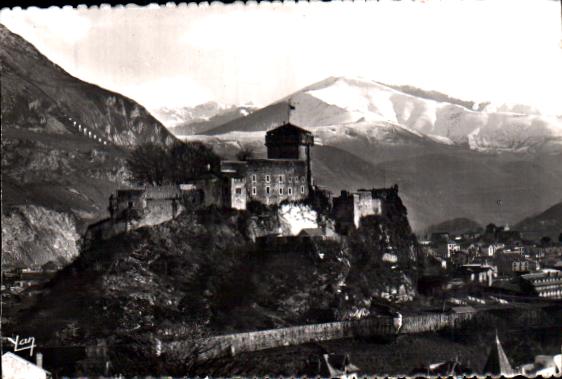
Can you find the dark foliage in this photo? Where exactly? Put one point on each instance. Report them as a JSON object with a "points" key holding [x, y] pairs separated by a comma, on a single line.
{"points": [[157, 164], [247, 152]]}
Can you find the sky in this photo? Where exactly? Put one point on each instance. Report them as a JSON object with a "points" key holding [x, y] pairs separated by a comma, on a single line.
{"points": [[504, 51]]}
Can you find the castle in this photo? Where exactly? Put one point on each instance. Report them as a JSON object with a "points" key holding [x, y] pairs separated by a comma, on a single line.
{"points": [[284, 176]]}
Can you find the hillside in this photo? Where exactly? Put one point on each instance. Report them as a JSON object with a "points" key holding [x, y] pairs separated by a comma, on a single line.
{"points": [[202, 272], [64, 144], [455, 226], [547, 223]]}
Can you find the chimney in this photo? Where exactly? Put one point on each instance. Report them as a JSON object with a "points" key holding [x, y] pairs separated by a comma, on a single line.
{"points": [[39, 359]]}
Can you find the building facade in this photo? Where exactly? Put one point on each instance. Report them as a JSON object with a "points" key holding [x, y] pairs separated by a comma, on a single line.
{"points": [[545, 284], [285, 175]]}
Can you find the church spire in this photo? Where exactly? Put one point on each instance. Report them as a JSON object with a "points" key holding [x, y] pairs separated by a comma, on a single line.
{"points": [[498, 363]]}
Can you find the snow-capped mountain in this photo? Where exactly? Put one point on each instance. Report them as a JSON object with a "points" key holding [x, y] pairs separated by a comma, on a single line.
{"points": [[441, 151], [200, 118], [340, 107]]}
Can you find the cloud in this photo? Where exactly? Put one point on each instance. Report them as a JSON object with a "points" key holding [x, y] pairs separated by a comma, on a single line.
{"points": [[170, 92], [67, 26]]}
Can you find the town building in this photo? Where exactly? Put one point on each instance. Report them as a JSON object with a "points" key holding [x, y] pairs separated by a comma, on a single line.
{"points": [[545, 366], [525, 265], [16, 367], [448, 249], [475, 273], [545, 284]]}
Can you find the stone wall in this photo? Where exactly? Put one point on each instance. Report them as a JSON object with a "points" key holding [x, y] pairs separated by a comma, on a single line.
{"points": [[364, 204], [349, 208], [368, 327], [296, 335]]}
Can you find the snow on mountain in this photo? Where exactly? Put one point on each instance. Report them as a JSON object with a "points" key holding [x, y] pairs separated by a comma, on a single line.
{"points": [[363, 105], [197, 119]]}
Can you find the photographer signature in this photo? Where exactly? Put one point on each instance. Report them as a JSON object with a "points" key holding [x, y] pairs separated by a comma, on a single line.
{"points": [[23, 344]]}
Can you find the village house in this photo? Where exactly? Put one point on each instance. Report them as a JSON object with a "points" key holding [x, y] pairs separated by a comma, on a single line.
{"points": [[446, 249], [545, 284], [16, 367], [525, 265], [475, 273]]}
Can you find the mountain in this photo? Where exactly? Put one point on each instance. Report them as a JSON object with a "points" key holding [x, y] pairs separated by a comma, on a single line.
{"points": [[547, 223], [64, 143], [455, 226], [184, 121], [361, 104], [449, 161]]}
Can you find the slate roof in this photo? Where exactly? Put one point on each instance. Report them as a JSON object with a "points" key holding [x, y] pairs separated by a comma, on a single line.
{"points": [[288, 128], [497, 363]]}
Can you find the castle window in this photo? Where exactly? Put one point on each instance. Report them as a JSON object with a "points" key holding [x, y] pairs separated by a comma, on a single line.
{"points": [[290, 179], [296, 179], [254, 178], [302, 178], [280, 190], [254, 191], [302, 189], [267, 178], [280, 178], [267, 190], [239, 191], [290, 191]]}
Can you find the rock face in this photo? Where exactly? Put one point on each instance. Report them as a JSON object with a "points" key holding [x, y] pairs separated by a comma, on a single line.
{"points": [[64, 144], [33, 236]]}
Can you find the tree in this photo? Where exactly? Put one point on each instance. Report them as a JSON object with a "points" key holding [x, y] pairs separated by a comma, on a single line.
{"points": [[545, 241], [190, 160], [147, 164], [247, 152], [157, 165]]}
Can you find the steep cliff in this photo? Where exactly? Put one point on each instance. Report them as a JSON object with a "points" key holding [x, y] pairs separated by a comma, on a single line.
{"points": [[64, 144]]}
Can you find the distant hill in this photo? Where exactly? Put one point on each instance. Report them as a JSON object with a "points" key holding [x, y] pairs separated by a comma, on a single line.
{"points": [[547, 223], [56, 178], [455, 226]]}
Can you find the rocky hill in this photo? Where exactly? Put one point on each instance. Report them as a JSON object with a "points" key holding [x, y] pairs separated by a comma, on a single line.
{"points": [[203, 271], [64, 142]]}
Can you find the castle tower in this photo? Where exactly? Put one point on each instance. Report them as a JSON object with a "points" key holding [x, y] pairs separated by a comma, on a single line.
{"points": [[292, 143]]}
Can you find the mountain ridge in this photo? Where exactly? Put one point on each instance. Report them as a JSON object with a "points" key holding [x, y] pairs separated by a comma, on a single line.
{"points": [[64, 146]]}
